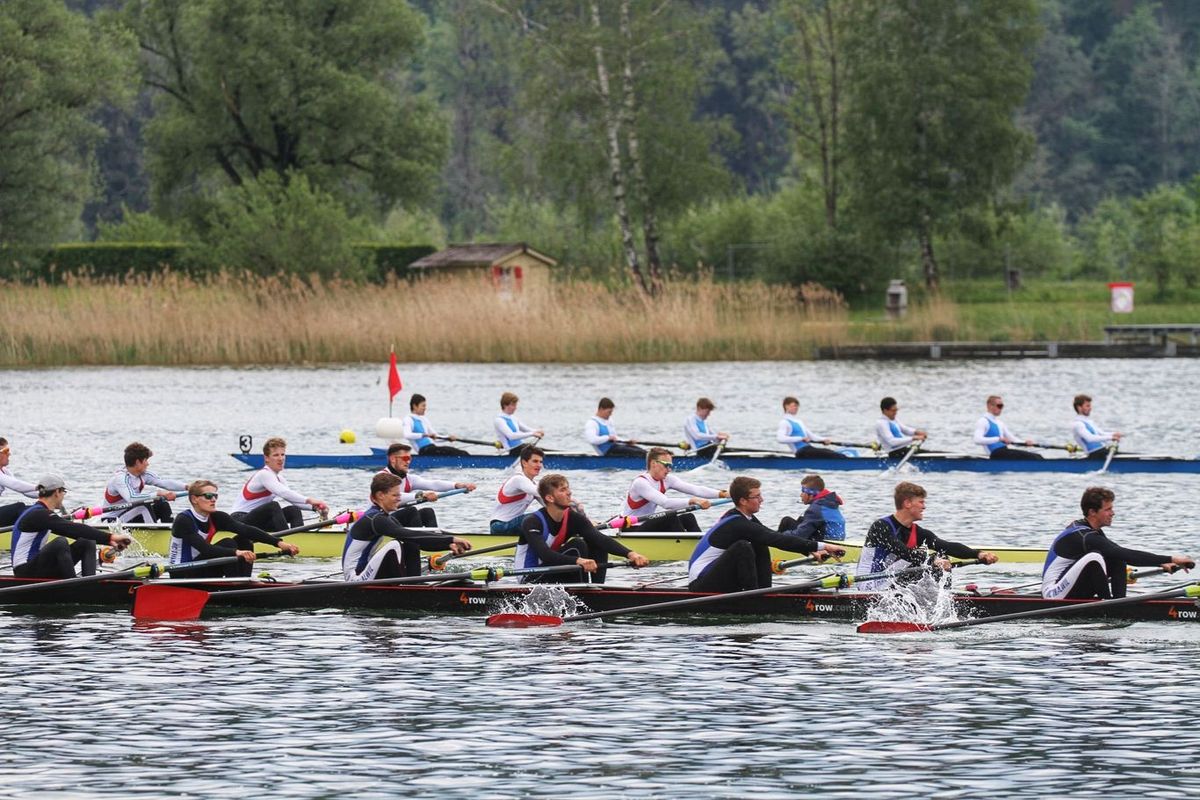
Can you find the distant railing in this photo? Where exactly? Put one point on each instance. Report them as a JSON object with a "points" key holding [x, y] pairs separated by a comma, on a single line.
{"points": [[1150, 333]]}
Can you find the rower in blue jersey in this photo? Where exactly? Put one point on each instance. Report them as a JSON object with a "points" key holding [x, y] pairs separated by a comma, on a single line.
{"points": [[823, 518], [796, 435], [995, 437], [735, 553], [513, 433], [700, 433], [34, 557], [600, 433], [894, 436], [558, 534], [1082, 562], [1091, 437], [896, 542], [193, 532], [421, 433]]}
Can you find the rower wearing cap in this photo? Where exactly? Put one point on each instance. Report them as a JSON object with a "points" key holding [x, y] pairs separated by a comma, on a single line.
{"points": [[421, 433], [703, 438], [1083, 562], [9, 482], [516, 493], [648, 493], [511, 431], [796, 435], [34, 557], [193, 531], [129, 485], [894, 436], [257, 505], [995, 437], [415, 488], [897, 542], [558, 534], [823, 518], [600, 433], [365, 557], [1091, 437], [735, 554]]}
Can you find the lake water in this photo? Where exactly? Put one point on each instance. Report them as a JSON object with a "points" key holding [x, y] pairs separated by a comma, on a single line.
{"points": [[335, 705]]}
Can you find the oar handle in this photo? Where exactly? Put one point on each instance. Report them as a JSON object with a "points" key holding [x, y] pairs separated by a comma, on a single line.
{"points": [[685, 446], [439, 562], [95, 511], [494, 443], [447, 493], [869, 445], [620, 522], [344, 518]]}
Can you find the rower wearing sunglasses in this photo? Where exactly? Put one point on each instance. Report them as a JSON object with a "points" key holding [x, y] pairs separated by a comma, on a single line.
{"points": [[648, 493], [995, 437], [193, 531]]}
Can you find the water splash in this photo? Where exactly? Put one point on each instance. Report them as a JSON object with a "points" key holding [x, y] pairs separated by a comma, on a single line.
{"points": [[545, 599], [135, 553], [928, 601]]}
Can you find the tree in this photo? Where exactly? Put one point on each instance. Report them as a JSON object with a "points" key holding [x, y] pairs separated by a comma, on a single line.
{"points": [[933, 86], [56, 68]]}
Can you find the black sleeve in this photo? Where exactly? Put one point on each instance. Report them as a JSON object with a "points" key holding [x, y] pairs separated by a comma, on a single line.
{"points": [[579, 525], [753, 531], [183, 528], [943, 547], [531, 531], [368, 528], [64, 527], [1095, 542], [224, 522], [880, 535]]}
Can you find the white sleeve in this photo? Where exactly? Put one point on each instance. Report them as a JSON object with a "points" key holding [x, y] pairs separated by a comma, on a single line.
{"points": [[981, 437], [591, 432], [883, 432], [680, 485], [645, 489], [17, 485], [163, 483], [430, 484], [784, 434], [524, 485], [278, 488]]}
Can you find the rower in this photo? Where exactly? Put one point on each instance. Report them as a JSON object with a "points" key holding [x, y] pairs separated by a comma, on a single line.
{"points": [[823, 518], [129, 485], [33, 557], [601, 435], [516, 493], [363, 558], [193, 532], [1083, 562], [1090, 436], [415, 488], [419, 431], [10, 512], [735, 554], [995, 436], [511, 431], [895, 437], [256, 507], [696, 430], [557, 534], [897, 542], [798, 437], [648, 493]]}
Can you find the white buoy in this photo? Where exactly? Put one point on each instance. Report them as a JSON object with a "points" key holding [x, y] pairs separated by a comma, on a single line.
{"points": [[389, 428]]}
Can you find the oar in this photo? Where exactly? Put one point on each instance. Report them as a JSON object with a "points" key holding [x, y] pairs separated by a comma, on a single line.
{"points": [[777, 566], [140, 572], [95, 511], [715, 456], [1112, 451], [439, 562], [1131, 577], [1190, 590], [911, 452], [1070, 448], [758, 450], [494, 443], [868, 445], [165, 602], [625, 523], [447, 493], [343, 518], [685, 446]]}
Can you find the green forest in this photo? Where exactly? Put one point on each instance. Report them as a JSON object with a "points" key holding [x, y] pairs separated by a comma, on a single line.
{"points": [[836, 142]]}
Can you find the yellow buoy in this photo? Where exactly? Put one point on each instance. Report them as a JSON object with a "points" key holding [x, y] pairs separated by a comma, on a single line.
{"points": [[347, 437]]}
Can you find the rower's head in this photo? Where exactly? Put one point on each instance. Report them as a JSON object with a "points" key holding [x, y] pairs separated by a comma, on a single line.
{"points": [[1097, 506], [5, 452], [1082, 404], [275, 453], [51, 490], [385, 491], [531, 460], [399, 456], [137, 458], [704, 407], [995, 404], [810, 487], [605, 409], [508, 402], [555, 491], [790, 405], [889, 407], [202, 494], [746, 494], [417, 404], [659, 462], [910, 499]]}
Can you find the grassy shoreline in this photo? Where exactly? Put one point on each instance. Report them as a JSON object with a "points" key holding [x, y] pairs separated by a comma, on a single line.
{"points": [[170, 320]]}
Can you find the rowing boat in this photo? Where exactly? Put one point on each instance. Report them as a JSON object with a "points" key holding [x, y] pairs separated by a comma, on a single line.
{"points": [[922, 462], [479, 599], [328, 543]]}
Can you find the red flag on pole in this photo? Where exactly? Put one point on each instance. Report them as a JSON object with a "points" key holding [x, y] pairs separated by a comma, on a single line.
{"points": [[394, 384]]}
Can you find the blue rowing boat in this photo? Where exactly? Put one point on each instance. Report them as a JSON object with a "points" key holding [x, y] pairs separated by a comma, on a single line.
{"points": [[922, 462]]}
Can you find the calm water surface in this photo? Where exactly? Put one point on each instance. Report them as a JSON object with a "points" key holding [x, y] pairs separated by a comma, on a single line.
{"points": [[334, 705]]}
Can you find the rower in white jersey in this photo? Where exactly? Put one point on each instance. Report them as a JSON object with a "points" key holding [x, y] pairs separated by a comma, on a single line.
{"points": [[600, 433], [1090, 436], [8, 482], [648, 493], [421, 433], [415, 488], [796, 435], [257, 505], [697, 430], [511, 432], [516, 493], [129, 485], [894, 436], [995, 437]]}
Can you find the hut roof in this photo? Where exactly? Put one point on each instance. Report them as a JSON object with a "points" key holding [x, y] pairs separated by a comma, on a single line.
{"points": [[479, 255]]}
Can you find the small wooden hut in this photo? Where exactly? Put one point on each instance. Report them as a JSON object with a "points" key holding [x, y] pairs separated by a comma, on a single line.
{"points": [[511, 267]]}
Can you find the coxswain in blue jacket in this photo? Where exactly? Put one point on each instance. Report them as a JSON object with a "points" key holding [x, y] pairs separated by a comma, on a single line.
{"points": [[995, 437], [823, 518], [35, 557], [1082, 562], [735, 554]]}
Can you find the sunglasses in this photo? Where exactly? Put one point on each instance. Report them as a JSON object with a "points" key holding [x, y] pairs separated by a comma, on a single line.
{"points": [[666, 464], [208, 495], [809, 490]]}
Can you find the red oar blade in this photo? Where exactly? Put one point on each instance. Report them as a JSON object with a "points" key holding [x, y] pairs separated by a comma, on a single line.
{"points": [[159, 601], [892, 627], [523, 621]]}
